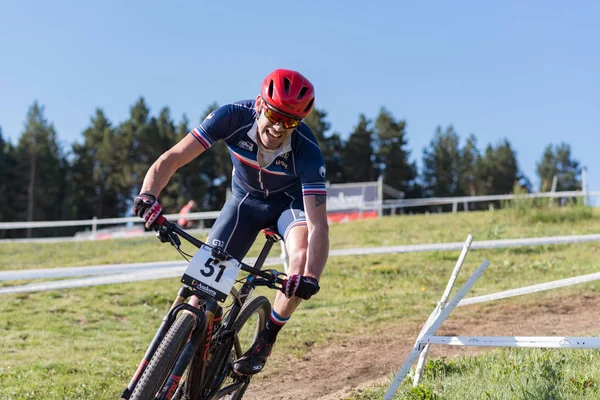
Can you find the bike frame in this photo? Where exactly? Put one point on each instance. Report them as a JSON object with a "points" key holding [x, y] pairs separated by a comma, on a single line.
{"points": [[208, 320]]}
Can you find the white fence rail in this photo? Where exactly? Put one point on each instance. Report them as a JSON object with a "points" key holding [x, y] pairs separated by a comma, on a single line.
{"points": [[427, 336], [466, 200], [386, 204]]}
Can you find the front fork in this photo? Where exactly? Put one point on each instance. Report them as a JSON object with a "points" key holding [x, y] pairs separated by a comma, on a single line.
{"points": [[178, 305], [203, 334]]}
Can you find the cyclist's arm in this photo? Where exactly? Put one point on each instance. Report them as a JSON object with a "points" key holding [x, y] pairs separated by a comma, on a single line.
{"points": [[215, 126], [163, 169], [318, 234]]}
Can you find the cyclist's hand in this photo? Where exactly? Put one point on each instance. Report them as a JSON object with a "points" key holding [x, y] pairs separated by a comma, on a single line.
{"points": [[300, 286], [147, 207]]}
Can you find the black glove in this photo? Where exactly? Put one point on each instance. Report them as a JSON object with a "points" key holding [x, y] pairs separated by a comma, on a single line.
{"points": [[147, 207], [300, 286]]}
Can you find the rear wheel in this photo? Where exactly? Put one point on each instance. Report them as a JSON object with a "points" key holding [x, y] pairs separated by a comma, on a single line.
{"points": [[250, 321], [164, 359]]}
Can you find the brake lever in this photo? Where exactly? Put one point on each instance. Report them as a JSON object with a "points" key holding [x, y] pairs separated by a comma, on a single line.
{"points": [[275, 274], [175, 241], [166, 236]]}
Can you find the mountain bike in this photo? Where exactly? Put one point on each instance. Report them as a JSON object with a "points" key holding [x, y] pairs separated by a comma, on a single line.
{"points": [[192, 354]]}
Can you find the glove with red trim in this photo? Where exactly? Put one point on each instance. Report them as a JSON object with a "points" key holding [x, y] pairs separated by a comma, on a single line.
{"points": [[300, 286], [147, 207]]}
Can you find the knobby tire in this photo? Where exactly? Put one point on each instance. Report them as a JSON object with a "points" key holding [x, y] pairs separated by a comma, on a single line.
{"points": [[164, 359], [221, 369]]}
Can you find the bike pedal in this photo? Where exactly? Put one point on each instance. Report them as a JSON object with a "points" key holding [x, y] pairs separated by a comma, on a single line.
{"points": [[237, 375]]}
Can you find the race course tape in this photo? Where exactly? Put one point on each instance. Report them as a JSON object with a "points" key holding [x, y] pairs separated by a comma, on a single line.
{"points": [[146, 271]]}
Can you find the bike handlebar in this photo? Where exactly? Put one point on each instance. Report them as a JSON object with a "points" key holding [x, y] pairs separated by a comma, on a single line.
{"points": [[270, 277]]}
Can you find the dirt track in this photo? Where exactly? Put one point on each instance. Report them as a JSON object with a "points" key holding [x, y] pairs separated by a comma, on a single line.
{"points": [[331, 372]]}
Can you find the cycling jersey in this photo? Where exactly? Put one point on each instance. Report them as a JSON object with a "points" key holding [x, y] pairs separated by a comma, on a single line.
{"points": [[298, 162]]}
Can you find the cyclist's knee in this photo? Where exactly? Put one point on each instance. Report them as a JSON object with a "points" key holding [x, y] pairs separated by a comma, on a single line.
{"points": [[297, 259]]}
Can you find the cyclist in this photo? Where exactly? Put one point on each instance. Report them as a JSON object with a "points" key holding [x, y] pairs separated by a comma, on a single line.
{"points": [[278, 180]]}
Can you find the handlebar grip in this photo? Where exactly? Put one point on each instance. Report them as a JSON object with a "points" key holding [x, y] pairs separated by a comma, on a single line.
{"points": [[160, 220]]}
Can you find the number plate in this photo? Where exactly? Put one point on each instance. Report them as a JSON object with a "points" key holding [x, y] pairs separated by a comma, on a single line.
{"points": [[211, 276]]}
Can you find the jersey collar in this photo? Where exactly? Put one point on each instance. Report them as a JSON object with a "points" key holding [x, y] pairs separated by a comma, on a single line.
{"points": [[285, 147]]}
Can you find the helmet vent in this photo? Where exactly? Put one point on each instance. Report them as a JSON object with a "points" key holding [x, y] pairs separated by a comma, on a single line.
{"points": [[310, 104], [286, 85], [271, 89], [302, 92]]}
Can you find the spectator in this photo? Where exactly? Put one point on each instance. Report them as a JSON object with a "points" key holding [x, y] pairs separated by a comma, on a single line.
{"points": [[184, 223]]}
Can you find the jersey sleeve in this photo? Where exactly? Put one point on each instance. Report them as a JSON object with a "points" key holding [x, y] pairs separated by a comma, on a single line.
{"points": [[217, 125], [311, 169]]}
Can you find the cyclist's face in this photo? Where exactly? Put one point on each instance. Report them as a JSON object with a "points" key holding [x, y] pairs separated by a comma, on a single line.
{"points": [[271, 135]]}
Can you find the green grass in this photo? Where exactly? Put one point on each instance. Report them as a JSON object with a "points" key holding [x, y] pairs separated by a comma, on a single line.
{"points": [[415, 229], [504, 374], [85, 343]]}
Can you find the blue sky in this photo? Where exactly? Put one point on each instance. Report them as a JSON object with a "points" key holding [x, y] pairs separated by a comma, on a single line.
{"points": [[522, 70]]}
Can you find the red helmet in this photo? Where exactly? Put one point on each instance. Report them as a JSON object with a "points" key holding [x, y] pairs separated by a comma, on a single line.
{"points": [[289, 92]]}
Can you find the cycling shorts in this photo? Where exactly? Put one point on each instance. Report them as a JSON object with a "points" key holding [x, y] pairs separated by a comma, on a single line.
{"points": [[243, 217]]}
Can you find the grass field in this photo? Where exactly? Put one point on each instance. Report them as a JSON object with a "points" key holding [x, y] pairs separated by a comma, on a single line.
{"points": [[85, 343], [539, 374]]}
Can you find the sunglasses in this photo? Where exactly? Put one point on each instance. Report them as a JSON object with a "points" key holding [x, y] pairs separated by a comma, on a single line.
{"points": [[276, 117]]}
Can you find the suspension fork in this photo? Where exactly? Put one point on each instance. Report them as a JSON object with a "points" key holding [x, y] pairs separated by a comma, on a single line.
{"points": [[186, 355], [177, 306], [213, 315]]}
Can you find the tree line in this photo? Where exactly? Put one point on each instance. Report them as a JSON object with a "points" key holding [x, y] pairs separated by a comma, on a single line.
{"points": [[42, 180]]}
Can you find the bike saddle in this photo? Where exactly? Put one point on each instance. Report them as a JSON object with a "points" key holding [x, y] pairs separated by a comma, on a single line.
{"points": [[270, 232]]}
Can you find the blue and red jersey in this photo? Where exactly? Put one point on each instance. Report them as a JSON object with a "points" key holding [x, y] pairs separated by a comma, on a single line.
{"points": [[298, 165]]}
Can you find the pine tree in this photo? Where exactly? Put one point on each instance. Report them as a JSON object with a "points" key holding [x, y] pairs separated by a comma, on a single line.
{"points": [[557, 161], [469, 178], [331, 146], [358, 156], [441, 165], [9, 184], [392, 155], [101, 175], [42, 170], [506, 172]]}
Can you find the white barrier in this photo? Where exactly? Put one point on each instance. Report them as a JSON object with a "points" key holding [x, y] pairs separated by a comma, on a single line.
{"points": [[134, 276], [430, 330], [545, 342], [439, 315], [46, 273], [531, 289], [387, 204], [442, 303]]}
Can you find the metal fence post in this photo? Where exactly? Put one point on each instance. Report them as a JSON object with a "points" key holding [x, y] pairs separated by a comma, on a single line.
{"points": [[584, 185], [94, 227], [441, 305]]}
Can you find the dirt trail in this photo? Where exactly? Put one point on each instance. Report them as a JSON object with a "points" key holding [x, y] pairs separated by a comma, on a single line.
{"points": [[330, 372]]}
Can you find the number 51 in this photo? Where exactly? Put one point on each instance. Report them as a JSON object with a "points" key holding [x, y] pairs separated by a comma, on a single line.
{"points": [[210, 269]]}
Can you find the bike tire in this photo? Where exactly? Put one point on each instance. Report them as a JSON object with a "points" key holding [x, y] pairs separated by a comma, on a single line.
{"points": [[163, 360], [252, 319]]}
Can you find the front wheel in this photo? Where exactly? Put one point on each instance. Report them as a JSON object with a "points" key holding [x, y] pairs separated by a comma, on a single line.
{"points": [[163, 360], [251, 320]]}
